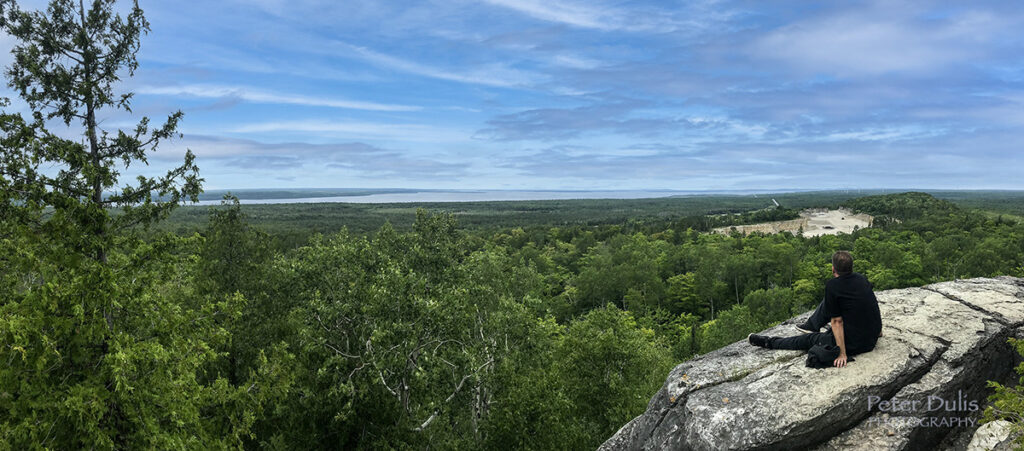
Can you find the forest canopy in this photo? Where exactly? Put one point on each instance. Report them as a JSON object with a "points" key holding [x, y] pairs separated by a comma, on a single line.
{"points": [[115, 333]]}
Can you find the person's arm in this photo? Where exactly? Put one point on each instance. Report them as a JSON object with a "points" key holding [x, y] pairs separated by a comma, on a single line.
{"points": [[840, 335]]}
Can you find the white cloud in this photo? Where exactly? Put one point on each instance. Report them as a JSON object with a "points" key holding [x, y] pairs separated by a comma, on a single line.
{"points": [[495, 74], [258, 96], [561, 12], [879, 40], [687, 17], [234, 163], [360, 130], [880, 134], [576, 62]]}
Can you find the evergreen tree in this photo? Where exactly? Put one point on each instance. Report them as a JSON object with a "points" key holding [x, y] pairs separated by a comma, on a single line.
{"points": [[103, 345], [66, 65]]}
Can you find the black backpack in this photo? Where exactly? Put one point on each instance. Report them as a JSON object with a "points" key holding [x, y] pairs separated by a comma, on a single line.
{"points": [[823, 356]]}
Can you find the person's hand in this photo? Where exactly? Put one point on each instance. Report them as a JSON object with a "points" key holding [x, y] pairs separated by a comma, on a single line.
{"points": [[840, 361]]}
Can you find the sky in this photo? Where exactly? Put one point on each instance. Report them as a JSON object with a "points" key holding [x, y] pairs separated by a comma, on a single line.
{"points": [[584, 95]]}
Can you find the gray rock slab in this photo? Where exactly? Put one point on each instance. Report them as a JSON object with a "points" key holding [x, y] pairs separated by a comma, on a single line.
{"points": [[1002, 297], [938, 341], [878, 432]]}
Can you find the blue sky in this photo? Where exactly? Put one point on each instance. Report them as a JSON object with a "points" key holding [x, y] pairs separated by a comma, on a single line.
{"points": [[554, 94]]}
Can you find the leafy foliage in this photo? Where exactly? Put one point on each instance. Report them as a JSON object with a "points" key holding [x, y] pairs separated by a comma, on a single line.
{"points": [[67, 63], [1007, 401], [543, 363], [542, 325], [103, 347]]}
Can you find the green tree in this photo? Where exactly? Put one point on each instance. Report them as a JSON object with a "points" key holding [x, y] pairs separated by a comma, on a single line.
{"points": [[234, 252], [625, 268], [682, 292], [710, 287], [784, 257], [531, 409], [738, 269], [235, 262], [409, 339], [773, 304], [1007, 401], [609, 367], [104, 348], [944, 256], [67, 63], [730, 326]]}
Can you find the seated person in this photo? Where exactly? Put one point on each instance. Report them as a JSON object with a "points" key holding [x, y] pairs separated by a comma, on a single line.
{"points": [[851, 305]]}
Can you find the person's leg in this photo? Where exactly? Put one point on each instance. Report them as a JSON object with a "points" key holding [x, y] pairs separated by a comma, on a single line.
{"points": [[801, 342], [818, 319]]}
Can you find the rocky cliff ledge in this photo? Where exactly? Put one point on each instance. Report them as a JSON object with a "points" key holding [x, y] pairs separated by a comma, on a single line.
{"points": [[924, 380]]}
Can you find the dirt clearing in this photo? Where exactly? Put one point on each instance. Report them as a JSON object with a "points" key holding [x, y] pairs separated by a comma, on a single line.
{"points": [[815, 222]]}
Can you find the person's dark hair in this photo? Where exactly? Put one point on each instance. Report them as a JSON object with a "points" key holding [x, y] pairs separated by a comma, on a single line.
{"points": [[842, 261]]}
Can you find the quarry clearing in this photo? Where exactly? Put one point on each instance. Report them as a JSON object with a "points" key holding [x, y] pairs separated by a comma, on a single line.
{"points": [[814, 222]]}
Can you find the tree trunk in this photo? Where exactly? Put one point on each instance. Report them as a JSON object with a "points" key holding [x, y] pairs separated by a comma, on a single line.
{"points": [[736, 286], [90, 126]]}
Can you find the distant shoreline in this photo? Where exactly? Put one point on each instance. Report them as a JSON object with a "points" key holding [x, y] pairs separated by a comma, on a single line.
{"points": [[406, 195], [363, 196]]}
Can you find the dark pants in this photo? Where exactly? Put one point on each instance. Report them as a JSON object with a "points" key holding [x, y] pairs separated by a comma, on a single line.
{"points": [[804, 342], [818, 318]]}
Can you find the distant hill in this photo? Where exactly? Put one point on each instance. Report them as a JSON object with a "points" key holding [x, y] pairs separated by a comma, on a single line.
{"points": [[901, 206]]}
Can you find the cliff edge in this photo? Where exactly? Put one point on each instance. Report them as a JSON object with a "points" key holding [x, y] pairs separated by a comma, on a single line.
{"points": [[924, 380]]}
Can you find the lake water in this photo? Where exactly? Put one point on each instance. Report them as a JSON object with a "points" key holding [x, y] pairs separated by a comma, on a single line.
{"points": [[479, 196]]}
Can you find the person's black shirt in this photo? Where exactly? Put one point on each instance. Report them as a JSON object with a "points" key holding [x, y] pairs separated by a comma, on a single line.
{"points": [[851, 297]]}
